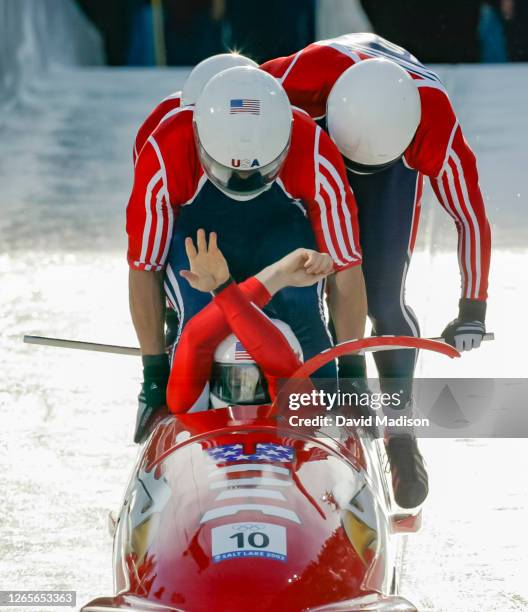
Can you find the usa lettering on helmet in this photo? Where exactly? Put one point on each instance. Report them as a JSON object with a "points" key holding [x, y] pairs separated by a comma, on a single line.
{"points": [[245, 163]]}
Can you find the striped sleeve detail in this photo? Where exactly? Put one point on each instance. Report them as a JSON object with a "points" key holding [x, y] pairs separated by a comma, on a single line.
{"points": [[334, 216], [160, 113], [458, 191], [291, 65], [150, 217]]}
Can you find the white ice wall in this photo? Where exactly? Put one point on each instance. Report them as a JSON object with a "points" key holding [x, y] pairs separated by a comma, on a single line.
{"points": [[36, 35]]}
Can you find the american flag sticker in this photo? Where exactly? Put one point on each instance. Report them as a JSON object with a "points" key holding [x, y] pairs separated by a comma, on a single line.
{"points": [[244, 105], [264, 451], [241, 353]]}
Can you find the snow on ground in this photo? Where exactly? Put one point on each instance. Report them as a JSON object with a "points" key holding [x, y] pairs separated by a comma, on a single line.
{"points": [[67, 417]]}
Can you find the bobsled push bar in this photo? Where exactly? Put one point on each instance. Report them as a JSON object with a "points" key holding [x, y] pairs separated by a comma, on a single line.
{"points": [[83, 346], [131, 350]]}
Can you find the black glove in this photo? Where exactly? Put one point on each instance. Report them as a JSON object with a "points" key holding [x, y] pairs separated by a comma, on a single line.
{"points": [[467, 330], [152, 397]]}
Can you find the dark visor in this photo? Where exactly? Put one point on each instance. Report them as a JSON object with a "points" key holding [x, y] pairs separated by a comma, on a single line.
{"points": [[239, 383]]}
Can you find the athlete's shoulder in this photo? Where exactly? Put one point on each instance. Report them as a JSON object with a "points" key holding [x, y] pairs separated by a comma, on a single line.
{"points": [[309, 75], [319, 60], [174, 147], [176, 126], [158, 114]]}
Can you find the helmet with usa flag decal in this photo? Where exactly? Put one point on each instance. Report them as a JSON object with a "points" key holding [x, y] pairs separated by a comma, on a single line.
{"points": [[242, 124], [207, 69], [373, 112], [236, 379]]}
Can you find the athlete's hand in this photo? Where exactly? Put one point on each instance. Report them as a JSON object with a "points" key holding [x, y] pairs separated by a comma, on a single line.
{"points": [[152, 398], [304, 267], [209, 268], [467, 330]]}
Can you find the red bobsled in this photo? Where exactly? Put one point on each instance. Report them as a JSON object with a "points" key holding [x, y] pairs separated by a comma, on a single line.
{"points": [[233, 510]]}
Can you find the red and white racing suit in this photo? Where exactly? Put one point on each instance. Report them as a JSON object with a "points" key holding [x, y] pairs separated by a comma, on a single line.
{"points": [[389, 202], [438, 150], [235, 309], [310, 205]]}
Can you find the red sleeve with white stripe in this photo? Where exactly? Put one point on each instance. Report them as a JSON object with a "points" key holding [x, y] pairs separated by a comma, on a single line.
{"points": [[237, 310], [266, 344], [149, 215], [323, 188], [440, 151], [309, 75], [166, 106]]}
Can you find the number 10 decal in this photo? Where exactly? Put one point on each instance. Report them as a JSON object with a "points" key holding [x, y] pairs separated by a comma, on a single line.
{"points": [[257, 539], [248, 540]]}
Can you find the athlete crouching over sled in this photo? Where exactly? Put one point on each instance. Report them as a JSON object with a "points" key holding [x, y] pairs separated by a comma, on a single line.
{"points": [[267, 180], [392, 120]]}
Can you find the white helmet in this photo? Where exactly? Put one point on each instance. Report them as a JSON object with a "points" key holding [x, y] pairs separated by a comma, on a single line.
{"points": [[206, 70], [243, 122], [373, 112], [236, 379]]}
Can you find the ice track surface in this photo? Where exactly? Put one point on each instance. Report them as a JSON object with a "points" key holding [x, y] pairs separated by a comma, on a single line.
{"points": [[67, 417]]}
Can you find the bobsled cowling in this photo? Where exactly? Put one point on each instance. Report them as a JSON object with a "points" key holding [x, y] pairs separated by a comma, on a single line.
{"points": [[228, 508]]}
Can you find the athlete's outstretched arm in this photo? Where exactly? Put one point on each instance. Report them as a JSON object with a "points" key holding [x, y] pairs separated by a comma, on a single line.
{"points": [[236, 309], [264, 342], [193, 357]]}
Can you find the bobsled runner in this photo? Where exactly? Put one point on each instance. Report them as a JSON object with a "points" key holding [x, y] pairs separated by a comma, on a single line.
{"points": [[233, 510]]}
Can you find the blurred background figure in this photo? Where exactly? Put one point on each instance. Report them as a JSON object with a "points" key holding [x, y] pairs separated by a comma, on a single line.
{"points": [[444, 31], [193, 30], [264, 30], [515, 15], [492, 36], [184, 32], [140, 45], [113, 19]]}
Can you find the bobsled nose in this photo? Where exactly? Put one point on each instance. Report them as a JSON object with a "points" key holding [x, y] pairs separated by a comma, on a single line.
{"points": [[128, 603], [369, 603]]}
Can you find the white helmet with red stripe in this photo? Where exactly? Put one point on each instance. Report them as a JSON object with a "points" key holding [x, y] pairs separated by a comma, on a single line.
{"points": [[243, 123], [373, 112], [207, 69], [236, 378]]}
